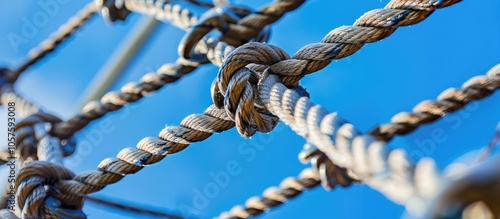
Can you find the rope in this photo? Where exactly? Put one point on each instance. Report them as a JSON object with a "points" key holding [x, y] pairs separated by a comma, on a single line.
{"points": [[23, 106], [369, 159], [480, 184], [312, 122], [339, 43], [273, 197], [55, 39], [149, 150], [130, 208], [491, 146], [216, 50], [181, 13], [448, 101], [323, 172], [35, 191]]}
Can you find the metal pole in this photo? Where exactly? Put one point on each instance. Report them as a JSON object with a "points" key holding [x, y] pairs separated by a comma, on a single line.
{"points": [[118, 61]]}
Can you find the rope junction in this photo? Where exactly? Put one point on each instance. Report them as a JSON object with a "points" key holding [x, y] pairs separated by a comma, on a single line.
{"points": [[256, 87]]}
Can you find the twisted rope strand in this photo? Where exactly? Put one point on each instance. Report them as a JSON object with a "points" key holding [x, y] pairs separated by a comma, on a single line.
{"points": [[55, 39], [233, 79], [131, 208], [390, 172], [129, 93], [448, 101], [323, 172], [168, 73], [172, 139], [275, 196], [249, 26], [24, 107], [182, 13]]}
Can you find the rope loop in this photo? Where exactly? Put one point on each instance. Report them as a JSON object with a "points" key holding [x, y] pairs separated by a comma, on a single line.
{"points": [[112, 10], [329, 173], [34, 131], [38, 194], [225, 19], [236, 82]]}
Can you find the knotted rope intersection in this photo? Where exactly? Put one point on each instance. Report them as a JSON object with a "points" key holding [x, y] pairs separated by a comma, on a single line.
{"points": [[248, 93], [368, 158], [235, 93], [170, 73]]}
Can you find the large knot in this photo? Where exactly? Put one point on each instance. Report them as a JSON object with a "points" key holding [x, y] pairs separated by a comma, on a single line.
{"points": [[112, 10], [224, 19], [35, 129], [237, 83], [38, 195], [329, 173]]}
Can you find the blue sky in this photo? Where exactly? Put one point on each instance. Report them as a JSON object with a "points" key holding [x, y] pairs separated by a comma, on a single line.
{"points": [[414, 64]]}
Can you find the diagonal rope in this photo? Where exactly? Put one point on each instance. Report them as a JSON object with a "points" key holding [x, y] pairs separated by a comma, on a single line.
{"points": [[71, 189], [275, 196], [130, 208], [166, 74], [323, 172], [474, 89], [368, 158], [491, 146], [233, 80], [55, 39]]}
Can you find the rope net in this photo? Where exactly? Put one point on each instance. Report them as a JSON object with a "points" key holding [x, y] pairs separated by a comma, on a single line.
{"points": [[256, 88]]}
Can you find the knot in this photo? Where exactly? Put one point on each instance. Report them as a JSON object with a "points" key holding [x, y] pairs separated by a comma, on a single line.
{"points": [[35, 129], [238, 81], [39, 196], [112, 10], [225, 19], [329, 173]]}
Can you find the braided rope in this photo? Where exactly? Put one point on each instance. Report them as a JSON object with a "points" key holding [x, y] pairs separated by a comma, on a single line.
{"points": [[233, 78], [216, 52], [448, 101], [34, 186], [474, 89], [172, 139], [23, 106], [273, 196], [323, 172], [129, 93], [55, 39], [390, 172], [181, 13], [130, 208]]}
